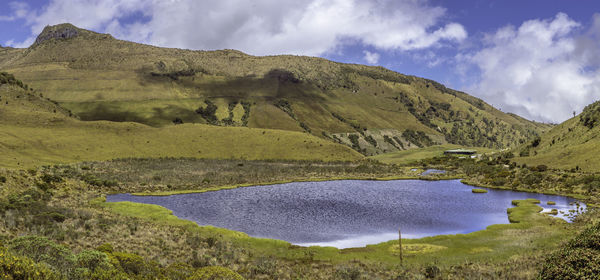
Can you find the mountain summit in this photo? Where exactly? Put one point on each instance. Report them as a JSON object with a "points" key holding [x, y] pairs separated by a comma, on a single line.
{"points": [[62, 32]]}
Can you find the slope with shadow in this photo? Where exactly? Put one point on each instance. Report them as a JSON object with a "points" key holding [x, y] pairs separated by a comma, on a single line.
{"points": [[37, 131], [371, 109], [573, 144]]}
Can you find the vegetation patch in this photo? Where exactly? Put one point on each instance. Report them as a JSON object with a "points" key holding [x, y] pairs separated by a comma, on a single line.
{"points": [[578, 259], [420, 248], [479, 191], [418, 138], [209, 112]]}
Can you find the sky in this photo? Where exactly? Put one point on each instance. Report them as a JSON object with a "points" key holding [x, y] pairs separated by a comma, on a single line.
{"points": [[537, 58]]}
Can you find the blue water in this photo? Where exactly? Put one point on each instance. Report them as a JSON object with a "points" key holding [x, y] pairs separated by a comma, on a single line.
{"points": [[433, 171], [348, 213]]}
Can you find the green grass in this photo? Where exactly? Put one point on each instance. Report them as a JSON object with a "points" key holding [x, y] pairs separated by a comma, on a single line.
{"points": [[74, 142], [479, 191], [414, 155]]}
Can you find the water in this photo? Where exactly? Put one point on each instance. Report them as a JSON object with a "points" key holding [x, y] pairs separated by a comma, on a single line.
{"points": [[349, 213], [432, 171]]}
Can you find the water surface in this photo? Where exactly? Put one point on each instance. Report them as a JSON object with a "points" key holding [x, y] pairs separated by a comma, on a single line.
{"points": [[348, 213]]}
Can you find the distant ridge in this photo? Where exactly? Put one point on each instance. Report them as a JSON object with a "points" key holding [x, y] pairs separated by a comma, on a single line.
{"points": [[573, 144]]}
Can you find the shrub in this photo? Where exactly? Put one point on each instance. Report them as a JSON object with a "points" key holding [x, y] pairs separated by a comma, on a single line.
{"points": [[215, 273], [41, 249], [93, 260], [106, 248], [177, 121], [354, 140], [541, 168], [209, 113], [579, 259], [536, 141], [18, 267], [131, 263]]}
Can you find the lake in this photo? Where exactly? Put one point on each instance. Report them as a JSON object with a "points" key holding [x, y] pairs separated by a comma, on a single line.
{"points": [[349, 213]]}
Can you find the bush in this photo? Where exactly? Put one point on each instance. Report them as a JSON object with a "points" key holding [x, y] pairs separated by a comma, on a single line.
{"points": [[354, 140], [134, 264], [536, 141], [106, 248], [209, 113], [18, 267], [215, 273], [579, 259], [41, 249], [541, 168], [93, 260]]}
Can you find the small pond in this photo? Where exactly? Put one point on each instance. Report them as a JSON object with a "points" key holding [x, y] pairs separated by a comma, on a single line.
{"points": [[350, 213]]}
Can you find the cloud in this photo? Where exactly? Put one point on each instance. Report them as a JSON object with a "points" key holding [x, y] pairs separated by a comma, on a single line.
{"points": [[371, 57], [261, 27], [19, 10], [544, 70]]}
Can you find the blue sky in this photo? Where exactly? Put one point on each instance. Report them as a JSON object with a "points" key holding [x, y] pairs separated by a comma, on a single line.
{"points": [[536, 58]]}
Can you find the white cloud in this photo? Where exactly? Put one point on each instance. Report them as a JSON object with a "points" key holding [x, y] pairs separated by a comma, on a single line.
{"points": [[19, 10], [371, 57], [542, 70], [262, 27]]}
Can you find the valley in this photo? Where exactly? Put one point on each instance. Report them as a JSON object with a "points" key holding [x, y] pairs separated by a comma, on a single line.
{"points": [[84, 116]]}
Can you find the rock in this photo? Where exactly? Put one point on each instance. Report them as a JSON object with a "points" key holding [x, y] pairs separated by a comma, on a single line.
{"points": [[61, 31]]}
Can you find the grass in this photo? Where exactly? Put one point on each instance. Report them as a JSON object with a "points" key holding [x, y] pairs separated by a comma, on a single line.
{"points": [[34, 146], [479, 191], [551, 203]]}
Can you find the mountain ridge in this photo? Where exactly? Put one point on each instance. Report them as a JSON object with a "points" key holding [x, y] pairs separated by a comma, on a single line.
{"points": [[371, 109], [569, 145]]}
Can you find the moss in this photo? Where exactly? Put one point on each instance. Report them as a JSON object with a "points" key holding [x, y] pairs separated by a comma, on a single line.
{"points": [[479, 191], [522, 212], [420, 248]]}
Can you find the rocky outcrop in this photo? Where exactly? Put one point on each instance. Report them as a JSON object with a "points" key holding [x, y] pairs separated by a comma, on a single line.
{"points": [[61, 31]]}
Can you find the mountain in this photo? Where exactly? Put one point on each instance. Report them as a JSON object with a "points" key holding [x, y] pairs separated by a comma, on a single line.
{"points": [[371, 109], [573, 144], [36, 131]]}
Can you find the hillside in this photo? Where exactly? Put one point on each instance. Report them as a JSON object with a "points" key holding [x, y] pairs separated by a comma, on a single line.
{"points": [[571, 145], [35, 131], [371, 109]]}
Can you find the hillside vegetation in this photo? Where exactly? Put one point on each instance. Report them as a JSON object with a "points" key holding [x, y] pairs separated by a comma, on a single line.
{"points": [[35, 131], [371, 109], [571, 145]]}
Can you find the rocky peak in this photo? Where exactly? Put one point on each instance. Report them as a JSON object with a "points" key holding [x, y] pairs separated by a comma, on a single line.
{"points": [[66, 31], [61, 31]]}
